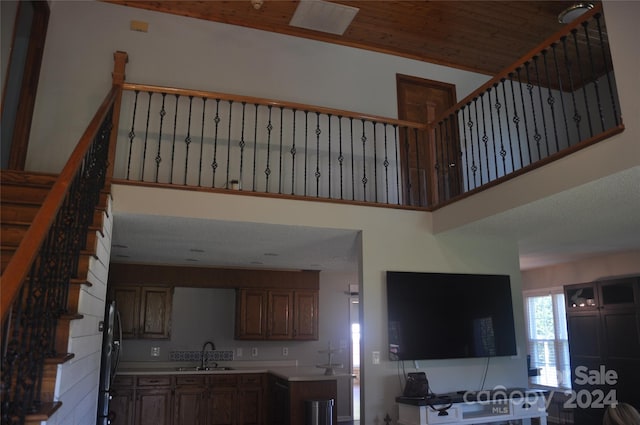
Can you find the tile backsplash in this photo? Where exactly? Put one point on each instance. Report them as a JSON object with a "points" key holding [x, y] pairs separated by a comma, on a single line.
{"points": [[196, 356]]}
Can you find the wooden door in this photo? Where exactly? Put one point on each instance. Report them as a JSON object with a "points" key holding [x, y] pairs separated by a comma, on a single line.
{"points": [[222, 406], [421, 101], [121, 406]]}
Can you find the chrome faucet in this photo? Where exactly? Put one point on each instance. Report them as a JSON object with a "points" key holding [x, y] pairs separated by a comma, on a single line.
{"points": [[203, 363]]}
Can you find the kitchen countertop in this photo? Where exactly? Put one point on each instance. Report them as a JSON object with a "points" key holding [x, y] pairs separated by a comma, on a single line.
{"points": [[288, 370]]}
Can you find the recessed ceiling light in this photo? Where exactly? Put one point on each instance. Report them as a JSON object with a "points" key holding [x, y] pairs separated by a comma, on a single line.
{"points": [[573, 12]]}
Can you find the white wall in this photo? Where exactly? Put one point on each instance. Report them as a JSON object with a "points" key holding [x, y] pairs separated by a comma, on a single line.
{"points": [[191, 53], [77, 380]]}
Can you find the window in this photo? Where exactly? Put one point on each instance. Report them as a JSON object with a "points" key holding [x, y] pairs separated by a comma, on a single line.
{"points": [[547, 338]]}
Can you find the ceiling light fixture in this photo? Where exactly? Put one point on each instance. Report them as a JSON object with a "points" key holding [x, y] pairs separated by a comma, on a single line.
{"points": [[257, 4], [573, 12], [324, 16]]}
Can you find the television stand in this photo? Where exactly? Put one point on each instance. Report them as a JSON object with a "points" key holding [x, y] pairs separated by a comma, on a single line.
{"points": [[460, 408]]}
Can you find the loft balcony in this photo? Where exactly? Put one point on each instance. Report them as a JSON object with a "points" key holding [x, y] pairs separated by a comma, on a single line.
{"points": [[558, 99]]}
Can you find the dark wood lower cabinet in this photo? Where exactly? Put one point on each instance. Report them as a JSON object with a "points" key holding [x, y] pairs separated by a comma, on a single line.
{"points": [[233, 399], [287, 399]]}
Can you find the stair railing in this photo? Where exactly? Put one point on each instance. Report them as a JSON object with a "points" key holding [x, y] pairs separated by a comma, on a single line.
{"points": [[558, 98], [35, 283]]}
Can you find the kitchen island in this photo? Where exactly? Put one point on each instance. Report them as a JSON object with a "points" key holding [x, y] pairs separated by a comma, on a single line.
{"points": [[248, 393]]}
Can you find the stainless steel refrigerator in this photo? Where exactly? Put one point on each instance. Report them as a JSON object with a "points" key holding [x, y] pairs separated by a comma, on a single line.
{"points": [[111, 352]]}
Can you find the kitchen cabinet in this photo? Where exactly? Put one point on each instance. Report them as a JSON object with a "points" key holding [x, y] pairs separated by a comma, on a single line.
{"points": [[251, 395], [190, 400], [153, 400], [222, 400], [202, 399], [287, 399], [603, 326], [145, 311], [122, 401], [276, 314]]}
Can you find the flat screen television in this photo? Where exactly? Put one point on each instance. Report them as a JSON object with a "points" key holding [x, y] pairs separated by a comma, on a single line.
{"points": [[449, 316]]}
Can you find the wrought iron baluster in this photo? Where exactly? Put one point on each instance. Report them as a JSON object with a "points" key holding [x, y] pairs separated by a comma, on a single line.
{"points": [[306, 148], [605, 61], [375, 162], [267, 170], [255, 149], [536, 135], [187, 140], [158, 159], [340, 156], [493, 135], [550, 101], [463, 127], [577, 118], [204, 108], [594, 76], [228, 165], [474, 166], [386, 163], [365, 180], [353, 178], [397, 146], [317, 173], [477, 126], [485, 138], [560, 89], [280, 152], [293, 153], [242, 145], [440, 164], [516, 118], [214, 160], [506, 120], [132, 133], [574, 33], [329, 116], [173, 140], [542, 114], [146, 138], [524, 114]]}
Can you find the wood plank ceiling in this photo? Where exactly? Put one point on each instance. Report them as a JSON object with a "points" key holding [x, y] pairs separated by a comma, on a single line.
{"points": [[480, 36]]}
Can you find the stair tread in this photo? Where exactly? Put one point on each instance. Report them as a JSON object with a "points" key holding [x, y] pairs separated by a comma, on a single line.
{"points": [[45, 412], [59, 358]]}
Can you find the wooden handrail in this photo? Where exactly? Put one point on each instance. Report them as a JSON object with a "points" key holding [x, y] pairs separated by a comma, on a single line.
{"points": [[271, 102], [25, 255], [504, 74]]}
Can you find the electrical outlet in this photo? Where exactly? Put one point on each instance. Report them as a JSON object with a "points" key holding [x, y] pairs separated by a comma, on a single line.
{"points": [[155, 351], [254, 352], [285, 351], [375, 357], [238, 352]]}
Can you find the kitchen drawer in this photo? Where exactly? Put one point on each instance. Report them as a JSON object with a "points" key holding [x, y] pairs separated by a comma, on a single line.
{"points": [[156, 381], [251, 380], [123, 381], [223, 380], [190, 380]]}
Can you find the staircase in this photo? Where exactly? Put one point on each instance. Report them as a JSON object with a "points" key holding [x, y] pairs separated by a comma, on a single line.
{"points": [[21, 196]]}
